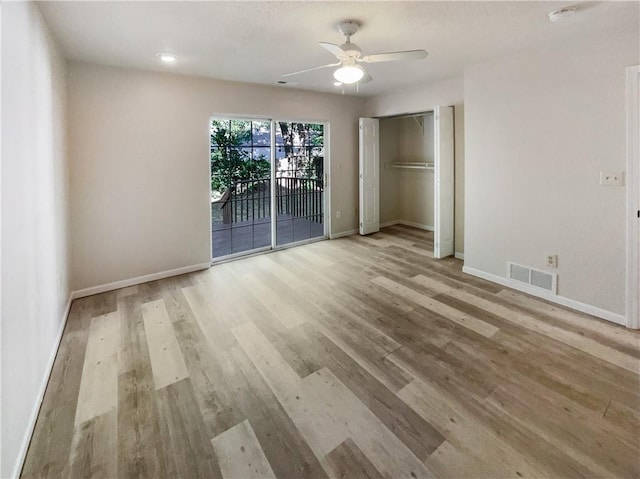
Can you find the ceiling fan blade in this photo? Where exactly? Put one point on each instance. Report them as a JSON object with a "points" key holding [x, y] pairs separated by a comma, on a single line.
{"points": [[311, 69], [394, 56], [334, 49]]}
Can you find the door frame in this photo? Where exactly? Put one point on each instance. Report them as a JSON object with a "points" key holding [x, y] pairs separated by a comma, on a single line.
{"points": [[433, 112], [326, 193], [633, 196]]}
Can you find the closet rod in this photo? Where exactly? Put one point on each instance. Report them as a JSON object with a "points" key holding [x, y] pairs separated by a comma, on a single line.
{"points": [[407, 115], [415, 166]]}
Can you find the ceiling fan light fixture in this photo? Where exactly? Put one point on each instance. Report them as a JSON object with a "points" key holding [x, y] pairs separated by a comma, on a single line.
{"points": [[348, 74]]}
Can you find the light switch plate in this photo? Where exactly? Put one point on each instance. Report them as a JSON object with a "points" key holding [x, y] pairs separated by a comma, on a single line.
{"points": [[612, 178]]}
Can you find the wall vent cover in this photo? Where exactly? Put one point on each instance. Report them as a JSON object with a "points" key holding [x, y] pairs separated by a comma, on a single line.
{"points": [[533, 277]]}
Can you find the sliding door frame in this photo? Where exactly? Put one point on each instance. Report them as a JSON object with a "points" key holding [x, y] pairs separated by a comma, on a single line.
{"points": [[326, 197], [326, 213]]}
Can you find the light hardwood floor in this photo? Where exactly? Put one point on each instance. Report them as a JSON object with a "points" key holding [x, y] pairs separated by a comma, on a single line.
{"points": [[358, 357]]}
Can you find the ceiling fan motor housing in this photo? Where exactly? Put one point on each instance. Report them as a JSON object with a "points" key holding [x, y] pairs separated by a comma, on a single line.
{"points": [[352, 50], [348, 27]]}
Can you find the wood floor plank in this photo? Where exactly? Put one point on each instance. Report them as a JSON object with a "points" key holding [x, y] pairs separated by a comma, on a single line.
{"points": [[623, 336], [214, 379], [164, 352], [521, 436], [529, 322], [270, 263], [326, 412], [187, 448], [295, 346], [94, 448], [586, 378], [240, 454], [365, 344], [347, 461], [99, 385], [139, 446], [450, 462], [625, 419], [279, 303], [576, 438], [451, 314], [467, 434], [322, 432], [510, 365], [439, 367], [385, 451], [210, 320], [282, 442], [419, 436]]}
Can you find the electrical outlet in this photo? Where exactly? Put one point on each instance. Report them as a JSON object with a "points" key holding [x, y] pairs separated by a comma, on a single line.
{"points": [[610, 178], [552, 260], [338, 214]]}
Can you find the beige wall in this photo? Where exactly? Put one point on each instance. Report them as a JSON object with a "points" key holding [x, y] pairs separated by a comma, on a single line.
{"points": [[540, 127], [420, 99], [416, 187], [34, 255], [389, 200], [417, 99], [139, 152]]}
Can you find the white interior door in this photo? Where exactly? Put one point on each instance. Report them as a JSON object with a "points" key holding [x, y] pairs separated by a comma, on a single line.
{"points": [[444, 182], [369, 174]]}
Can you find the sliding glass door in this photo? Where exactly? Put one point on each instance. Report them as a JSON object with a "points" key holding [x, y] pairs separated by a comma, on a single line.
{"points": [[244, 160], [240, 186], [299, 181]]}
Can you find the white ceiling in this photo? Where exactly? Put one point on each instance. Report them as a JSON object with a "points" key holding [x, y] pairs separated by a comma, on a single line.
{"points": [[258, 41]]}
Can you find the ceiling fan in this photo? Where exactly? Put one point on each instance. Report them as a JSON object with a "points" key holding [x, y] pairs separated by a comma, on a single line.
{"points": [[350, 57]]}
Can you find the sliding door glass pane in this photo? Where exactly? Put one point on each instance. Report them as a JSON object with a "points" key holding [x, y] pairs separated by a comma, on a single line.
{"points": [[240, 185], [299, 181]]}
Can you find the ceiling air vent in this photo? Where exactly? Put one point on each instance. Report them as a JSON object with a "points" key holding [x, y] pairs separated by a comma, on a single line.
{"points": [[533, 277]]}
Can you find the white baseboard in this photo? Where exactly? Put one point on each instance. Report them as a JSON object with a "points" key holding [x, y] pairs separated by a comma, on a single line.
{"points": [[342, 234], [124, 283], [386, 224], [459, 255], [416, 225], [561, 300], [406, 223], [26, 440]]}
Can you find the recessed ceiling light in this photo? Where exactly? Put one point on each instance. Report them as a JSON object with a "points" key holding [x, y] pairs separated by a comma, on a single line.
{"points": [[167, 57], [561, 14]]}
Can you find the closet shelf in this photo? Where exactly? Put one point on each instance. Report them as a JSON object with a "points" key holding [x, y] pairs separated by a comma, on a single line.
{"points": [[411, 165]]}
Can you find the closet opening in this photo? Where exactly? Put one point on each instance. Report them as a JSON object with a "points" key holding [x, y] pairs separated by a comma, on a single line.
{"points": [[407, 174]]}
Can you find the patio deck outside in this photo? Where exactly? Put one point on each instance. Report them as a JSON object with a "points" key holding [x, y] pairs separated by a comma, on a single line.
{"points": [[242, 223]]}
